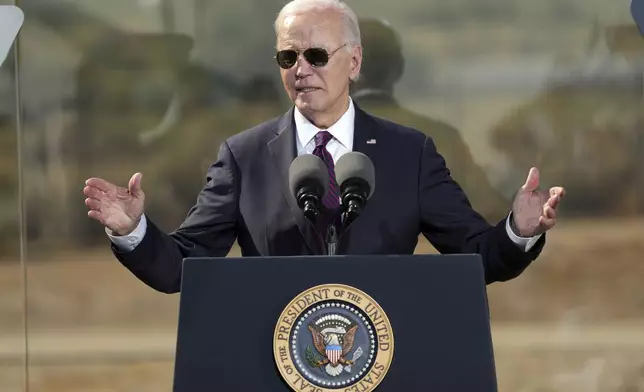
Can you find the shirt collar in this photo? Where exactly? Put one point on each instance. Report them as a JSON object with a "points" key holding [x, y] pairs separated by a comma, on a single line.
{"points": [[342, 130]]}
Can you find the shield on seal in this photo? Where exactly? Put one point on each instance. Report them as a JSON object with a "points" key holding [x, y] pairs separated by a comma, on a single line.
{"points": [[333, 352]]}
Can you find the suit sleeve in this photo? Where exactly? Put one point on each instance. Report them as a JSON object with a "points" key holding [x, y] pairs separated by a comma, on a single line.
{"points": [[450, 223], [209, 230]]}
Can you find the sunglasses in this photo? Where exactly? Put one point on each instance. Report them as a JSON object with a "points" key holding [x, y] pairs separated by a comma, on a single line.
{"points": [[317, 57]]}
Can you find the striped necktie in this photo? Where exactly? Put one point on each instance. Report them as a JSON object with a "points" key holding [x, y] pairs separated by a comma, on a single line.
{"points": [[332, 199]]}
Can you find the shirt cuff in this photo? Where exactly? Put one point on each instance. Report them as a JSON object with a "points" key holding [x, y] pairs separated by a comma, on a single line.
{"points": [[525, 243], [127, 243]]}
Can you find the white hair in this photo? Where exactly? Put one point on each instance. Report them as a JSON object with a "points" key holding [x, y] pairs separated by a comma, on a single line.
{"points": [[349, 18]]}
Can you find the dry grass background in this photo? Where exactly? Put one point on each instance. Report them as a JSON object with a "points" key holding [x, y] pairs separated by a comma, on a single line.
{"points": [[573, 322]]}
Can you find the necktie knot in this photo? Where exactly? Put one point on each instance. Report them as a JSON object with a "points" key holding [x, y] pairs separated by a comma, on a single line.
{"points": [[322, 138]]}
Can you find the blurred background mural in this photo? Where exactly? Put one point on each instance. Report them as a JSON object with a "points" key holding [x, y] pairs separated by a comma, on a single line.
{"points": [[108, 88]]}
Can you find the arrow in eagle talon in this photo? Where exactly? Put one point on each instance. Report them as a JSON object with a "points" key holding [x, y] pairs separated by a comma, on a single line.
{"points": [[357, 354]]}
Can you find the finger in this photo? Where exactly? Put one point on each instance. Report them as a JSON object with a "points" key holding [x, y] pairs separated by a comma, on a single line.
{"points": [[557, 191], [547, 223], [549, 212], [95, 215], [532, 182], [553, 202], [94, 193], [134, 186], [101, 184], [93, 204]]}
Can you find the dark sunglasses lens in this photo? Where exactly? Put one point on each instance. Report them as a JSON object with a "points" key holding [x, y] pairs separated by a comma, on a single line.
{"points": [[316, 57], [286, 58]]}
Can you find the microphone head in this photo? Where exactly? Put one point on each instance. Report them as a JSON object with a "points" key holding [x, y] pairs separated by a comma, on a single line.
{"points": [[356, 165], [637, 11], [309, 171]]}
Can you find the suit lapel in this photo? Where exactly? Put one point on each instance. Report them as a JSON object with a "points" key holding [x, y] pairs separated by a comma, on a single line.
{"points": [[364, 134], [369, 139], [365, 140], [283, 151]]}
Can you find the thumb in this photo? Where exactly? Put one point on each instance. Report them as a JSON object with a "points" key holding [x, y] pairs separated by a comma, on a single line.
{"points": [[532, 182], [134, 186]]}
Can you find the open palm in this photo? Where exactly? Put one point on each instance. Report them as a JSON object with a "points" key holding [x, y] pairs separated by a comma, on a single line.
{"points": [[117, 208]]}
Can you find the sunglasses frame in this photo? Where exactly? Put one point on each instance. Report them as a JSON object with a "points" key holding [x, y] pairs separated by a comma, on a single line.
{"points": [[303, 54]]}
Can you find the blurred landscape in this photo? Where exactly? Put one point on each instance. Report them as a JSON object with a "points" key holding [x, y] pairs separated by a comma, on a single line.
{"points": [[111, 88]]}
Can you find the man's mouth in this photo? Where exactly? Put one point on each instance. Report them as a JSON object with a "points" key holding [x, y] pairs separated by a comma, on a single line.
{"points": [[306, 89]]}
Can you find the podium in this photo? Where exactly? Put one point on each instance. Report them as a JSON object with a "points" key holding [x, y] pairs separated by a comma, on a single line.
{"points": [[334, 323]]}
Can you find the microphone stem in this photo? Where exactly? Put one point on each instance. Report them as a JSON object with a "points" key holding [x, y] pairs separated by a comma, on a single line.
{"points": [[332, 239]]}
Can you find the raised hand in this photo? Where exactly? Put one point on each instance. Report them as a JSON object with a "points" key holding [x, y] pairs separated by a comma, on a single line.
{"points": [[117, 208], [535, 211]]}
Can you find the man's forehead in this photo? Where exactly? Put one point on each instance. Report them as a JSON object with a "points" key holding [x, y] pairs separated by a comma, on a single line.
{"points": [[305, 30]]}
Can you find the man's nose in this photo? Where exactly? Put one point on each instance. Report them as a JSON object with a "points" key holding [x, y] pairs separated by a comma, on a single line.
{"points": [[303, 68]]}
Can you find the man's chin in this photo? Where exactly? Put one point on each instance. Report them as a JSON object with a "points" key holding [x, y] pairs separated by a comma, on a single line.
{"points": [[306, 106]]}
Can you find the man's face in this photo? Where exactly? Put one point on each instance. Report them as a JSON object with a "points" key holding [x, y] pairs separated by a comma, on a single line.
{"points": [[318, 89]]}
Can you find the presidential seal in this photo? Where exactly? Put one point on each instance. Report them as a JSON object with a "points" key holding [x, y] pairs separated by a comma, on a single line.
{"points": [[333, 338]]}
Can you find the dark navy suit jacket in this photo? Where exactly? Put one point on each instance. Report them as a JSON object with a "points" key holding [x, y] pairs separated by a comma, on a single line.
{"points": [[246, 198]]}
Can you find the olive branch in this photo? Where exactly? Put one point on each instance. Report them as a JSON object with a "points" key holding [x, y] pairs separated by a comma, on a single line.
{"points": [[313, 359]]}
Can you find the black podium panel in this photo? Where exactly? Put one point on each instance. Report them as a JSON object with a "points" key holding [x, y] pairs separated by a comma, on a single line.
{"points": [[436, 304]]}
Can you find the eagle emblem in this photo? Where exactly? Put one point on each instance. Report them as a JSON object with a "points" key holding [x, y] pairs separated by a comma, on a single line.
{"points": [[333, 336], [326, 340]]}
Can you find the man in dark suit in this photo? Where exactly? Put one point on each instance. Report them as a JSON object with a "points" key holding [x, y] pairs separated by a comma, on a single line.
{"points": [[246, 195]]}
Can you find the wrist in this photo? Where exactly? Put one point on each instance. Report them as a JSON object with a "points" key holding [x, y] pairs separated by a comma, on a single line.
{"points": [[129, 230], [513, 226]]}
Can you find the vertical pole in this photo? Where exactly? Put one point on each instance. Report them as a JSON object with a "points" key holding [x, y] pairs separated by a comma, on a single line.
{"points": [[22, 222]]}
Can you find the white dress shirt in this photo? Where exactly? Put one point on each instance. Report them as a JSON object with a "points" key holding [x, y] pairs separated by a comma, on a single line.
{"points": [[340, 144], [342, 132]]}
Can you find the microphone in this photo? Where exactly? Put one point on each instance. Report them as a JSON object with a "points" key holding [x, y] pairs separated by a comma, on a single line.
{"points": [[308, 182], [356, 176], [637, 12], [11, 19]]}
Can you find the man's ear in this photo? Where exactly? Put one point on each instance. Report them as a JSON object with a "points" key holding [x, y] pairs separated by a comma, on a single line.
{"points": [[356, 62]]}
